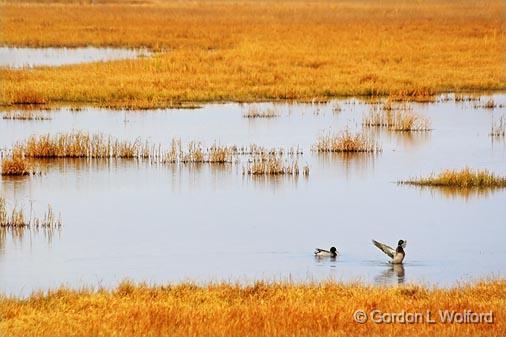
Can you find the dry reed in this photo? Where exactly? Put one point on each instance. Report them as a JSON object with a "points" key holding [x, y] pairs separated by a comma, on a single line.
{"points": [[346, 142], [16, 218], [26, 115], [400, 121], [80, 145], [465, 178], [260, 309], [84, 145], [258, 50], [273, 165], [17, 166], [256, 113]]}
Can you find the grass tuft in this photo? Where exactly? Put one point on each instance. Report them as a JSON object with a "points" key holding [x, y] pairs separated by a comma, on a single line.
{"points": [[17, 166], [345, 142], [399, 121], [256, 113], [273, 165], [16, 218], [466, 178]]}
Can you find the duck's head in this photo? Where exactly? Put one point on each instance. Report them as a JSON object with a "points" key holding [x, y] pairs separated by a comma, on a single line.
{"points": [[402, 243], [333, 250]]}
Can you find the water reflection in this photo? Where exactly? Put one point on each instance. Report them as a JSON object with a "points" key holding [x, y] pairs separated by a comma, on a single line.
{"points": [[331, 261], [17, 58], [394, 273], [351, 164], [17, 235], [456, 192], [406, 140]]}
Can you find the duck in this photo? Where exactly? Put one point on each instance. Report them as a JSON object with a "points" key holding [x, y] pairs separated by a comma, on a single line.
{"points": [[397, 255], [326, 253]]}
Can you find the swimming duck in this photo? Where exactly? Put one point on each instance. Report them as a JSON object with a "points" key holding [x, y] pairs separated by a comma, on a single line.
{"points": [[326, 253], [397, 255]]}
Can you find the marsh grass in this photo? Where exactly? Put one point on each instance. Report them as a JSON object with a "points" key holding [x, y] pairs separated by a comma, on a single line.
{"points": [[16, 218], [26, 115], [277, 309], [273, 165], [399, 121], [254, 112], [89, 146], [465, 178], [490, 104], [345, 142], [81, 145], [257, 50], [17, 165]]}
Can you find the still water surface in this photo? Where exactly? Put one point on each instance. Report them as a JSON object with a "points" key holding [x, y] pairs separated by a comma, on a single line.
{"points": [[164, 223], [16, 58]]}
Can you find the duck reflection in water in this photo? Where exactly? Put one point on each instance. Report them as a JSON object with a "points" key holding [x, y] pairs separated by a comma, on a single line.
{"points": [[394, 273]]}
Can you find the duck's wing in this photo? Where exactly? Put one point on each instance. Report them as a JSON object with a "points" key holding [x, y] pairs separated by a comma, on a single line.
{"points": [[319, 250], [385, 248]]}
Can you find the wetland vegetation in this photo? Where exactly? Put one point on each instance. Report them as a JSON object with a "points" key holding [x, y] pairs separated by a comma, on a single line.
{"points": [[346, 142], [249, 51], [17, 165], [261, 309], [16, 218], [465, 178], [122, 179]]}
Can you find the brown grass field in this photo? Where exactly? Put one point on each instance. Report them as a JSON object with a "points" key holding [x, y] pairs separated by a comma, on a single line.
{"points": [[257, 50], [262, 309]]}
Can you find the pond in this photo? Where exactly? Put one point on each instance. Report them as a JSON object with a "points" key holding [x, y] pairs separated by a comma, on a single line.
{"points": [[16, 58], [128, 219]]}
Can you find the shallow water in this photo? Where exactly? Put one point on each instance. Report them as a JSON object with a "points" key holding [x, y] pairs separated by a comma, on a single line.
{"points": [[16, 58], [163, 223]]}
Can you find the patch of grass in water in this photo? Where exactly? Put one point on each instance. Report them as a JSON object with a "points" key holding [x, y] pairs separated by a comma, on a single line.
{"points": [[16, 218], [465, 178], [345, 142], [257, 113], [399, 121], [17, 165]]}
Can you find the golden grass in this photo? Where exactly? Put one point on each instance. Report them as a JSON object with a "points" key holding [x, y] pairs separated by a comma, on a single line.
{"points": [[16, 218], [465, 178], [258, 50], [345, 142], [26, 115], [403, 120], [89, 146], [260, 309], [80, 145], [17, 166], [273, 165]]}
